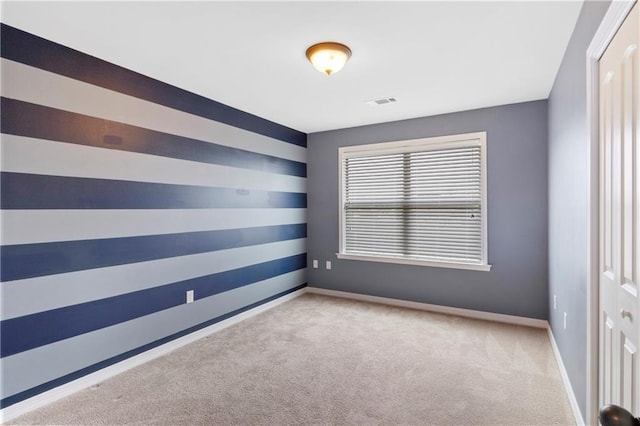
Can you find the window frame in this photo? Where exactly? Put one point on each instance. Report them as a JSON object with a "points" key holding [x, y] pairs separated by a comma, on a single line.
{"points": [[416, 145]]}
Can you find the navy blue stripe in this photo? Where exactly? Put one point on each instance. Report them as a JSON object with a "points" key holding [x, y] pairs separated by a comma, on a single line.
{"points": [[42, 328], [21, 396], [22, 261], [26, 48], [29, 191], [36, 121]]}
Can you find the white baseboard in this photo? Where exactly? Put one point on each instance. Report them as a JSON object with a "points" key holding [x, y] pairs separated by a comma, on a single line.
{"points": [[84, 382], [565, 380], [488, 316]]}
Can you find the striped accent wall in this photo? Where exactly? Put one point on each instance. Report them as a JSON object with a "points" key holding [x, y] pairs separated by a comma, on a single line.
{"points": [[120, 193]]}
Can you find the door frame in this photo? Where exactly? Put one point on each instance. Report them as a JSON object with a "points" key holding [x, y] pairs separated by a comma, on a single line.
{"points": [[613, 19]]}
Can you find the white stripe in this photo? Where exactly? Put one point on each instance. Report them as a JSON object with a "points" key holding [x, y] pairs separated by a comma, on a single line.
{"points": [[40, 226], [41, 87], [30, 368], [59, 290], [28, 155]]}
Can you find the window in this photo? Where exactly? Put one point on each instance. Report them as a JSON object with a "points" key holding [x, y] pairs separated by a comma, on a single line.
{"points": [[420, 202]]}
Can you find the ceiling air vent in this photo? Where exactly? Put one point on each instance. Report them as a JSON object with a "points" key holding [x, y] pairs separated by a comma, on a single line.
{"points": [[382, 101]]}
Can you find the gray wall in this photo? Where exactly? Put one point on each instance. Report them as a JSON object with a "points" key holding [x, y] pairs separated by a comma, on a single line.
{"points": [[517, 205], [568, 190]]}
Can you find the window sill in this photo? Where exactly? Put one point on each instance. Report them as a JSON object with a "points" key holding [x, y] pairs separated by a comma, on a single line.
{"points": [[452, 265]]}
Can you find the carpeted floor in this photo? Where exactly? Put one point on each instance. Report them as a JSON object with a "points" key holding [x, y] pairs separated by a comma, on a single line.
{"points": [[321, 360]]}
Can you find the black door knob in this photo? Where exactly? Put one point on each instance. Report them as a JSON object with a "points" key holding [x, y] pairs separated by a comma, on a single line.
{"points": [[613, 415]]}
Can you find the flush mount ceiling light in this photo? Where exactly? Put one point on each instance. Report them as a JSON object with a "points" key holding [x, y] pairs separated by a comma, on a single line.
{"points": [[328, 57]]}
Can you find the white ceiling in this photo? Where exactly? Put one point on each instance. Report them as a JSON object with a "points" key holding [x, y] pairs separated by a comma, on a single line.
{"points": [[435, 57]]}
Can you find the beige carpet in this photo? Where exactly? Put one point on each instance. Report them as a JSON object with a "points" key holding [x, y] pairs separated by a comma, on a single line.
{"points": [[321, 360]]}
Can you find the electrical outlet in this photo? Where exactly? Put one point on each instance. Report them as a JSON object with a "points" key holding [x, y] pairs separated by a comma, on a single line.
{"points": [[554, 302], [315, 263], [565, 320], [190, 296], [328, 264]]}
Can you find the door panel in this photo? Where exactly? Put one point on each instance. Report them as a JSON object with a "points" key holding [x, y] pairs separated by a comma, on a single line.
{"points": [[607, 351], [629, 375]]}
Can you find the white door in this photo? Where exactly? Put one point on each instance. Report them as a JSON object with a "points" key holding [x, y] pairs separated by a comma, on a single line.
{"points": [[619, 372]]}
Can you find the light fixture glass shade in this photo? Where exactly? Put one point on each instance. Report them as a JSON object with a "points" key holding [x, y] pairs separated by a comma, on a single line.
{"points": [[328, 57]]}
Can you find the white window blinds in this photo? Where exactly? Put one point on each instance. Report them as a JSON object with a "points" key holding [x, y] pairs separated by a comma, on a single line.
{"points": [[422, 201]]}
